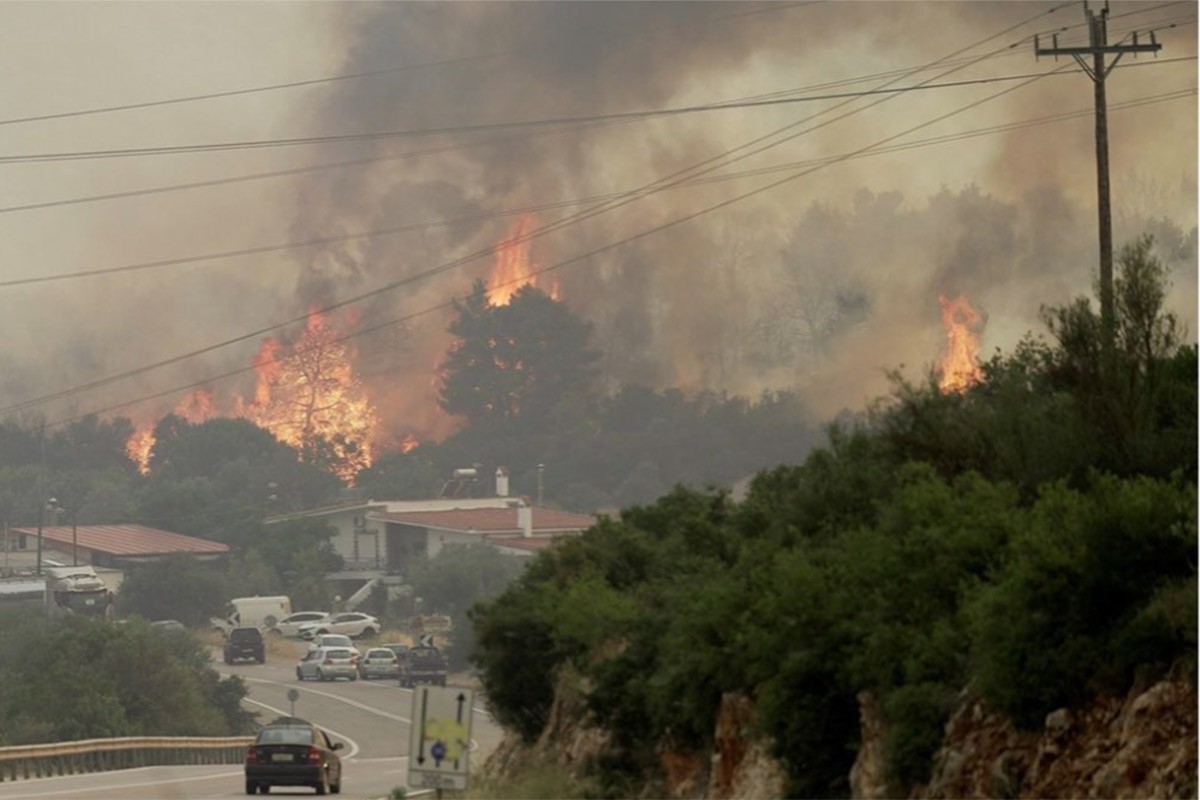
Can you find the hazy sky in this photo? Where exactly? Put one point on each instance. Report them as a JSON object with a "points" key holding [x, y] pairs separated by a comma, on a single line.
{"points": [[738, 299]]}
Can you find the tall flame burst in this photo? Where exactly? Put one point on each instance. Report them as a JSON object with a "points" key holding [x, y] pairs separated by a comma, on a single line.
{"points": [[960, 367], [311, 399], [306, 394], [514, 266]]}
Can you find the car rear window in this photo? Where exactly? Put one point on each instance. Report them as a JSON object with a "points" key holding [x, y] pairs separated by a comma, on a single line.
{"points": [[285, 736], [246, 633], [380, 653], [338, 654], [336, 640]]}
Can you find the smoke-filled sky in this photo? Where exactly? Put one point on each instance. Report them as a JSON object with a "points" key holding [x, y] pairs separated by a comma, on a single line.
{"points": [[820, 283]]}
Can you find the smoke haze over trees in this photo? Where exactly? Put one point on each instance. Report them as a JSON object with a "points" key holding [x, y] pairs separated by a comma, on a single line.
{"points": [[818, 287]]}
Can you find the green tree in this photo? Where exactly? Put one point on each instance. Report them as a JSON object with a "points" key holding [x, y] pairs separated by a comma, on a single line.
{"points": [[513, 364], [176, 587]]}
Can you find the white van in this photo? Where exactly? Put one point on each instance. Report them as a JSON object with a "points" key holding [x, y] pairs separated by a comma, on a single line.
{"points": [[260, 612]]}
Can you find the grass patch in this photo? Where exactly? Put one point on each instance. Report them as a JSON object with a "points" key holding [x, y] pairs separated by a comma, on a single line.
{"points": [[546, 783]]}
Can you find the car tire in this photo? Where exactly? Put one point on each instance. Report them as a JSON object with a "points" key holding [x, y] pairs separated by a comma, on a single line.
{"points": [[367, 633], [353, 677], [336, 788], [265, 788], [320, 674], [251, 787], [299, 674], [322, 786]]}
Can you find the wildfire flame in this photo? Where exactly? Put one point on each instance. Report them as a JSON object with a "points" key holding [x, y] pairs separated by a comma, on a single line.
{"points": [[311, 399], [514, 267], [960, 367], [306, 394], [196, 407]]}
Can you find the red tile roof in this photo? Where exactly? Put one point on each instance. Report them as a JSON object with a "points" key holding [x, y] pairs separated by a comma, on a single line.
{"points": [[128, 540], [491, 520], [531, 543]]}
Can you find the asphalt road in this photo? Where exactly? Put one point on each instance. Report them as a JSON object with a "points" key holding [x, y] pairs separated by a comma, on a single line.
{"points": [[370, 717]]}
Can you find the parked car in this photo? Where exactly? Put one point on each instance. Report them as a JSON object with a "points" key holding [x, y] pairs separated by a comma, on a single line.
{"points": [[295, 754], [290, 625], [333, 640], [168, 625], [379, 662], [245, 643], [350, 623], [423, 665], [327, 664], [397, 648]]}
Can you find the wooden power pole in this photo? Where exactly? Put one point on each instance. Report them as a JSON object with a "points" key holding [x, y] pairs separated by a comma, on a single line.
{"points": [[1098, 47]]}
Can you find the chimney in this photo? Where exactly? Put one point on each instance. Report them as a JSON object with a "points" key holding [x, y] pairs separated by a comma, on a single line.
{"points": [[501, 482], [525, 520]]}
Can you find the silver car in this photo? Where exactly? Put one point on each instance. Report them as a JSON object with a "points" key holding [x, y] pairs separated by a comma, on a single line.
{"points": [[379, 662], [327, 664]]}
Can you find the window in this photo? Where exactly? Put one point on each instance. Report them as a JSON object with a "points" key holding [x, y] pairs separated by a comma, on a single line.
{"points": [[285, 736]]}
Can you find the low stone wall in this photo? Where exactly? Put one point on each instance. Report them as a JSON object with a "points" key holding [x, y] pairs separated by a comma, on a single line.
{"points": [[102, 755]]}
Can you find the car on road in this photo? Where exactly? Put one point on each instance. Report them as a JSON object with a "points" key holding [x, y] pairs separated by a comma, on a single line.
{"points": [[290, 625], [423, 665], [327, 664], [333, 640], [245, 643], [293, 754], [349, 623], [378, 662]]}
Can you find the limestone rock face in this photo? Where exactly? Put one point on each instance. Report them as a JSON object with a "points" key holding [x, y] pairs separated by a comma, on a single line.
{"points": [[1140, 746]]}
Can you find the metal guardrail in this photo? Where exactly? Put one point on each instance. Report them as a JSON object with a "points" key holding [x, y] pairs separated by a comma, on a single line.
{"points": [[102, 755]]}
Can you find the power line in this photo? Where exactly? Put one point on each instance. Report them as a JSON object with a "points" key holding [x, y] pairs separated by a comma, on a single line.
{"points": [[380, 232], [754, 146], [80, 155], [770, 8], [943, 139]]}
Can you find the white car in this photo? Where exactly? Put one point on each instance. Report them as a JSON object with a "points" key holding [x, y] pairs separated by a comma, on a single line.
{"points": [[327, 664], [333, 640], [290, 625], [349, 623]]}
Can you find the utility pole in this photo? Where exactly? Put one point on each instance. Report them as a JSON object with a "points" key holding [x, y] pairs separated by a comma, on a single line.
{"points": [[1098, 47]]}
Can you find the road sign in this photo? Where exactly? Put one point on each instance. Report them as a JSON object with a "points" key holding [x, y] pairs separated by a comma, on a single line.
{"points": [[439, 744], [425, 640]]}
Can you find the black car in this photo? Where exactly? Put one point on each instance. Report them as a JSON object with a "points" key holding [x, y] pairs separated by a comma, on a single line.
{"points": [[423, 665], [295, 753], [244, 643]]}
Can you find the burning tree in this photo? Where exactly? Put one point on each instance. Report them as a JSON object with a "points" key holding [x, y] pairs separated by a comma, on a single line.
{"points": [[960, 368], [310, 398]]}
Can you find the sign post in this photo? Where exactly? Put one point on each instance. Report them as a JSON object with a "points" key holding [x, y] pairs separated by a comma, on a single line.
{"points": [[439, 743]]}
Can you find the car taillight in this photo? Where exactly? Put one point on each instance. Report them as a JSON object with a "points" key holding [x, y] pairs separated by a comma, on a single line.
{"points": [[251, 755], [328, 661], [314, 755]]}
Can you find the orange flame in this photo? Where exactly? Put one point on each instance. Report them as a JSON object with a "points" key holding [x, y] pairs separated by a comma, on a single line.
{"points": [[196, 407], [310, 398], [514, 266], [306, 394], [960, 367]]}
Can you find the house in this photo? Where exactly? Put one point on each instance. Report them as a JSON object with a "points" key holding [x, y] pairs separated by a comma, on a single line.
{"points": [[379, 538], [112, 546]]}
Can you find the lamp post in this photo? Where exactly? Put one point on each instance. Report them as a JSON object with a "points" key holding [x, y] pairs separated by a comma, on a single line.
{"points": [[51, 506]]}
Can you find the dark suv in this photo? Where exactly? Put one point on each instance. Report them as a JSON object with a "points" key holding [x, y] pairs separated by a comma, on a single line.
{"points": [[244, 643], [423, 665]]}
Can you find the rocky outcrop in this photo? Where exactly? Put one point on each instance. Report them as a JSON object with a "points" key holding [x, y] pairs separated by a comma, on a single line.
{"points": [[1140, 746], [1143, 745]]}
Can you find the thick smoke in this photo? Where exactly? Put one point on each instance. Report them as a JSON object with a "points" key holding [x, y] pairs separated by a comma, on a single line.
{"points": [[821, 284]]}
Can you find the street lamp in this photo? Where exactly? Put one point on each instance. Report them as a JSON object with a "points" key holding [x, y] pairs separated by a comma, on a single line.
{"points": [[53, 508]]}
